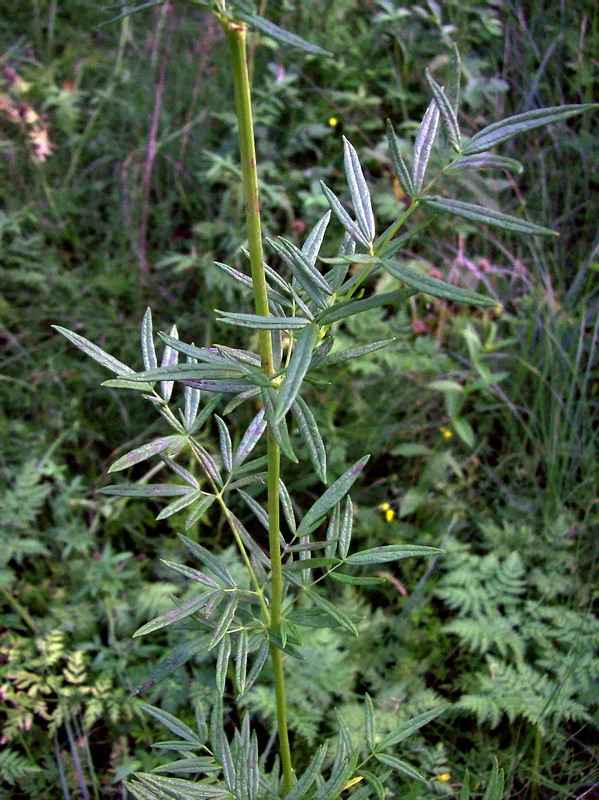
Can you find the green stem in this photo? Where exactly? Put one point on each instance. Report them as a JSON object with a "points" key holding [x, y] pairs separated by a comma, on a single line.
{"points": [[236, 37]]}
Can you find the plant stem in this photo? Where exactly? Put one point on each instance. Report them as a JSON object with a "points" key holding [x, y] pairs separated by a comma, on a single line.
{"points": [[236, 37]]}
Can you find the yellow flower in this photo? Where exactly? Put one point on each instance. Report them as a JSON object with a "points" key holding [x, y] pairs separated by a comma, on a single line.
{"points": [[384, 507], [333, 122], [445, 432], [446, 776], [389, 515]]}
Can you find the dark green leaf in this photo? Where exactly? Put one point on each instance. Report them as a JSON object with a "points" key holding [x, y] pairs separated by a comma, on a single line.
{"points": [[141, 490], [343, 310], [194, 575], [279, 34], [485, 161], [199, 509], [176, 658], [190, 766], [249, 439], [334, 613], [390, 552], [375, 782], [179, 504], [434, 287], [400, 766], [333, 494], [210, 561], [345, 528], [310, 435], [304, 783], [226, 448], [181, 789], [506, 128], [206, 460], [263, 323], [146, 451], [485, 216], [399, 165], [222, 663], [411, 726], [287, 507], [173, 724], [455, 74], [310, 563], [298, 366], [369, 722], [222, 626], [353, 580], [355, 352], [495, 786], [279, 429], [241, 661]]}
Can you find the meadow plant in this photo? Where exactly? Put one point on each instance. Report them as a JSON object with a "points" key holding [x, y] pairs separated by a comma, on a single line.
{"points": [[296, 309]]}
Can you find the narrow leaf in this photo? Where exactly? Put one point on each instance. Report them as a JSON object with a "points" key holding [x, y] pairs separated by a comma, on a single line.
{"points": [[506, 128], [206, 557], [455, 75], [226, 447], [448, 115], [241, 661], [434, 287], [142, 490], [178, 505], [313, 770], [486, 216], [176, 658], [280, 34], [145, 451], [333, 494], [399, 165], [400, 766], [334, 613], [484, 161], [298, 366], [257, 666], [207, 462], [222, 626], [222, 663], [425, 138], [310, 435], [359, 191], [257, 322], [355, 352], [344, 218], [390, 552], [354, 580], [369, 722], [279, 430], [170, 617], [99, 355], [287, 507], [345, 528], [148, 351], [411, 726], [173, 724], [169, 359], [311, 247], [249, 439], [343, 310]]}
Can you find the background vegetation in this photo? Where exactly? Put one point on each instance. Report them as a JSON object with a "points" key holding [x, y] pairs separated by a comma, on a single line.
{"points": [[119, 188]]}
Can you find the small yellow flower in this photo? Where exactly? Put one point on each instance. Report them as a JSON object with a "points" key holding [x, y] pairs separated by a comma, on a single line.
{"points": [[445, 432], [333, 122], [446, 776], [384, 507], [389, 515]]}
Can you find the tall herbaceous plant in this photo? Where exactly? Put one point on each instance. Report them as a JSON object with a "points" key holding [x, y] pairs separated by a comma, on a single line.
{"points": [[295, 313]]}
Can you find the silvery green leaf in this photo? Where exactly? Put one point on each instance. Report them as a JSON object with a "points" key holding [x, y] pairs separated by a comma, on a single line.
{"points": [[308, 430], [399, 165], [170, 617], [262, 323], [222, 663], [192, 402], [345, 528], [222, 626], [148, 351], [313, 243], [123, 383], [169, 359], [145, 451], [400, 766], [257, 666], [178, 505], [390, 552], [448, 115], [141, 490], [207, 462], [375, 783], [199, 510], [355, 352], [256, 508], [296, 371], [210, 561], [189, 766], [484, 161], [300, 790], [209, 355], [333, 494], [455, 75], [486, 216], [249, 439], [189, 372], [281, 35], [90, 349], [195, 575], [246, 282], [173, 724], [287, 507], [308, 277], [279, 429], [226, 447], [496, 784], [344, 218], [436, 288], [506, 128], [331, 610], [348, 309], [359, 191], [353, 580], [241, 661], [333, 530], [179, 788], [409, 727], [344, 734], [310, 563], [425, 138], [332, 788]]}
